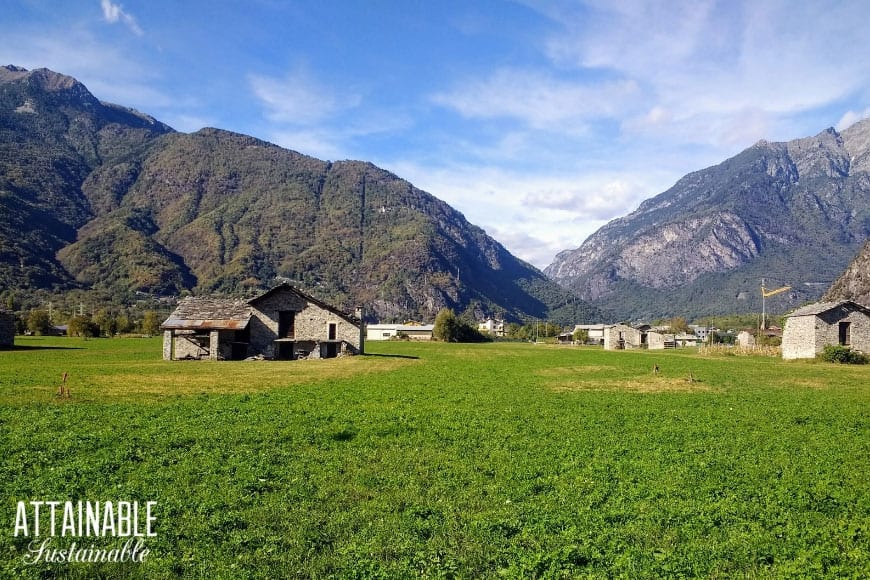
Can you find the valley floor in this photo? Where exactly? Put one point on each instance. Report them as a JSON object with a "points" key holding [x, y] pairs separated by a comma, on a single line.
{"points": [[444, 460]]}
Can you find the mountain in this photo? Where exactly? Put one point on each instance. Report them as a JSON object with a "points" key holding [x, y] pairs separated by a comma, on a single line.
{"points": [[794, 213], [98, 196], [854, 283]]}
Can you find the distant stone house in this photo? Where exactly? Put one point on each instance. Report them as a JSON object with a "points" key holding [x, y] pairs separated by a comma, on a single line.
{"points": [[622, 337], [745, 339], [810, 328], [660, 340], [594, 332], [7, 329], [283, 324]]}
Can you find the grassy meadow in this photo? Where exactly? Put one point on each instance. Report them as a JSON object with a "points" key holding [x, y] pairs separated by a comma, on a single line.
{"points": [[442, 460]]}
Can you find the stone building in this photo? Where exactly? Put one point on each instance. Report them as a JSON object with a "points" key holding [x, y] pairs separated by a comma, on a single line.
{"points": [[745, 339], [660, 341], [7, 329], [622, 337], [810, 328], [283, 324]]}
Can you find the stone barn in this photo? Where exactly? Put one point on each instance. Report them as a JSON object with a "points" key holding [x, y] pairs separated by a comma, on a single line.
{"points": [[745, 339], [660, 340], [7, 329], [282, 324], [810, 328], [622, 337]]}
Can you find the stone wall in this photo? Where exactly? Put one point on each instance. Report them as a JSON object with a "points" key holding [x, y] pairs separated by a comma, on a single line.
{"points": [[7, 329], [807, 336], [799, 337], [657, 340], [621, 336], [311, 324]]}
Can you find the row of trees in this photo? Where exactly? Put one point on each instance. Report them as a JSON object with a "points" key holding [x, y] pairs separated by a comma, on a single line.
{"points": [[102, 323]]}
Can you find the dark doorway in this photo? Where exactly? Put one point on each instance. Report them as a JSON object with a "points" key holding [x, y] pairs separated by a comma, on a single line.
{"points": [[331, 350], [845, 333], [284, 350], [286, 324]]}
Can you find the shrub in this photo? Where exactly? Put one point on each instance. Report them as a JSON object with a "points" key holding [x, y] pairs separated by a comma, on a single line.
{"points": [[843, 354]]}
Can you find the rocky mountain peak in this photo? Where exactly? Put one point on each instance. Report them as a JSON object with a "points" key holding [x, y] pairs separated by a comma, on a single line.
{"points": [[796, 210]]}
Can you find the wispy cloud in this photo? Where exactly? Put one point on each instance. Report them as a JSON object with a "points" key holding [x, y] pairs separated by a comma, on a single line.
{"points": [[113, 13], [539, 99], [748, 65], [852, 117], [300, 99]]}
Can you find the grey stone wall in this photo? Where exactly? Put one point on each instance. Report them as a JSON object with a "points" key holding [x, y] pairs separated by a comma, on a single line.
{"points": [[7, 329], [630, 336], [799, 337], [186, 346], [311, 325], [806, 336], [657, 340]]}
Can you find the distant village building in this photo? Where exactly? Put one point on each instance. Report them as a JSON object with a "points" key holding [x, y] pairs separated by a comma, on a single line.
{"points": [[390, 331], [622, 337], [595, 332], [745, 339], [7, 329], [492, 327], [659, 340], [283, 324], [810, 328], [685, 340]]}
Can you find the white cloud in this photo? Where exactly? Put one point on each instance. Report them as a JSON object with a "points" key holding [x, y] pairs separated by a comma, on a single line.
{"points": [[539, 100], [851, 117], [535, 216], [113, 13], [299, 99], [750, 66]]}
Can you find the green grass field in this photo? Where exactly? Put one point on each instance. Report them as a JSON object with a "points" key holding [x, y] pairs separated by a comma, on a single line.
{"points": [[443, 460]]}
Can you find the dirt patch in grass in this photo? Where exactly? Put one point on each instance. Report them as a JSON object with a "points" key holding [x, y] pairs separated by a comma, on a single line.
{"points": [[578, 371], [650, 384], [190, 378]]}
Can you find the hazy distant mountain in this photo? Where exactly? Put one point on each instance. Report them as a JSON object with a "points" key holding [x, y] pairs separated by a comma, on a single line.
{"points": [[96, 195], [854, 284], [794, 213]]}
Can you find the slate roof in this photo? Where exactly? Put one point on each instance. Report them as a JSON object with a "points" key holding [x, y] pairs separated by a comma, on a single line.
{"points": [[822, 307], [284, 286], [205, 313], [210, 313]]}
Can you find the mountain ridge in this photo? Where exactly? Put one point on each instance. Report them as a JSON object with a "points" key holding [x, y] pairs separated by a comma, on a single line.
{"points": [[117, 201], [793, 211]]}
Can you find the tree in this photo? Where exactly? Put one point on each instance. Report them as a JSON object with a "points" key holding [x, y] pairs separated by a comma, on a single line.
{"points": [[123, 324], [449, 328], [105, 322], [38, 322], [581, 335], [150, 323], [445, 328], [679, 325], [82, 326]]}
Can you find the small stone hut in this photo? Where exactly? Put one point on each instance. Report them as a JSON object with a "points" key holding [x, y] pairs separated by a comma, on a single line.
{"points": [[745, 339], [7, 329], [282, 324], [810, 328], [622, 337]]}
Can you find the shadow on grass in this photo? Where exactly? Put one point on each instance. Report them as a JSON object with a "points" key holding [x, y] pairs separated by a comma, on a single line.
{"points": [[28, 347], [393, 356]]}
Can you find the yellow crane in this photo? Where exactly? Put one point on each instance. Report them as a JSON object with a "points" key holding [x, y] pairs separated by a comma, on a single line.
{"points": [[765, 294]]}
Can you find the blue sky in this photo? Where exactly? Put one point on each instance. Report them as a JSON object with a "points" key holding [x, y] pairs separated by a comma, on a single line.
{"points": [[539, 120]]}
